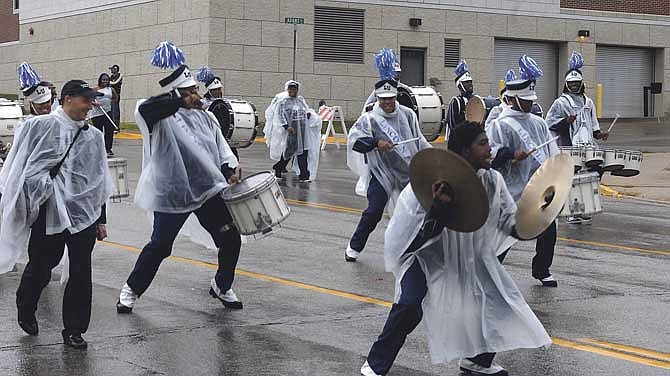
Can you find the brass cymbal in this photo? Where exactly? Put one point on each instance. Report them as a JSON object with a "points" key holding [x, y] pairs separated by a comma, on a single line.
{"points": [[469, 208], [544, 196], [475, 110]]}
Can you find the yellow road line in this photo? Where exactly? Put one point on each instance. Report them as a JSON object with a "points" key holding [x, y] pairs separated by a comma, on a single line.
{"points": [[611, 353], [622, 352], [652, 354], [341, 209], [128, 136]]}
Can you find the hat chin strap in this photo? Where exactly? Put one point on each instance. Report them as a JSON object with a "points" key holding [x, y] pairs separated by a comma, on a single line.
{"points": [[518, 104]]}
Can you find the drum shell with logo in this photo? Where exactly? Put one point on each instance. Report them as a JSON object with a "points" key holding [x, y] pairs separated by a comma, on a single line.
{"points": [[256, 204], [632, 164], [614, 160], [118, 168], [428, 106], [593, 156], [577, 155], [584, 198]]}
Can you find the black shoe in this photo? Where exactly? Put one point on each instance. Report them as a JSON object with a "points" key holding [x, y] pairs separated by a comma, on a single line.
{"points": [[28, 323], [278, 174], [120, 308], [74, 340], [233, 304], [549, 281], [110, 153]]}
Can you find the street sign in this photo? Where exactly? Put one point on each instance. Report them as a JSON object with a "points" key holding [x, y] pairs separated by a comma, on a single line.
{"points": [[294, 20]]}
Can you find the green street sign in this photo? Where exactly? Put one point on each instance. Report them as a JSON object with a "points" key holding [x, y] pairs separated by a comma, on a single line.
{"points": [[294, 20]]}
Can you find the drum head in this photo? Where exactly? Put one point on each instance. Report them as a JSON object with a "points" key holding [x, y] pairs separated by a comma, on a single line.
{"points": [[248, 185], [223, 113], [406, 98]]}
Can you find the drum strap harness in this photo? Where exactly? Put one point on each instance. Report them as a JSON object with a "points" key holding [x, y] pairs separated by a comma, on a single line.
{"points": [[392, 135], [53, 171], [540, 156]]}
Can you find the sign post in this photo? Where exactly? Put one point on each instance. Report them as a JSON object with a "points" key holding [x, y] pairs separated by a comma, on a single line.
{"points": [[295, 22]]}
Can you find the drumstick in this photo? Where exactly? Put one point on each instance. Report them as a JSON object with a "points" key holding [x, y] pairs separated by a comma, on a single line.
{"points": [[613, 122], [406, 141], [108, 118], [543, 145]]}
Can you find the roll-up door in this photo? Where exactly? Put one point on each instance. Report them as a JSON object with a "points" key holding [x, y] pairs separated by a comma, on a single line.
{"points": [[507, 53], [623, 72]]}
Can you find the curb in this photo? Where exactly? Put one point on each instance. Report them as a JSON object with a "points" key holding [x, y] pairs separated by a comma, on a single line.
{"points": [[609, 192]]}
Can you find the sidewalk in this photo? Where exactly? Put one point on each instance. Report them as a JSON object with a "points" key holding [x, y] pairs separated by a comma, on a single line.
{"points": [[653, 182]]}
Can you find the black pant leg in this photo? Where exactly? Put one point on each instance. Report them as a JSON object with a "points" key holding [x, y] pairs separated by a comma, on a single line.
{"points": [[371, 216], [44, 253], [544, 252], [281, 164], [78, 291], [109, 133], [99, 122], [302, 164]]}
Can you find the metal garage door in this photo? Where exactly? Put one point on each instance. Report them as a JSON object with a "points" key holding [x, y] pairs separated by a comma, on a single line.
{"points": [[507, 54], [623, 72]]}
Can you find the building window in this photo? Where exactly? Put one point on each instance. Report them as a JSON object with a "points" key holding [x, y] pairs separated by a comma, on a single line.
{"points": [[339, 35], [15, 6], [452, 52]]}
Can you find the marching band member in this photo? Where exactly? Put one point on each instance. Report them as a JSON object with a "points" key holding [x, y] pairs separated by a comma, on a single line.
{"points": [[513, 134], [385, 60], [382, 164], [36, 91], [456, 111], [497, 110], [186, 165], [55, 185], [453, 280], [292, 129], [572, 116], [214, 92]]}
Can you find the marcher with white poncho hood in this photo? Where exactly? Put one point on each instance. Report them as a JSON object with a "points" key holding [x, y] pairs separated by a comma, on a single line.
{"points": [[452, 280], [292, 129], [186, 164], [55, 185], [513, 135], [377, 153]]}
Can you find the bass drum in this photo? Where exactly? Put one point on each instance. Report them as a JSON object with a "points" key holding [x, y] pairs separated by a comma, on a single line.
{"points": [[238, 120], [428, 106]]}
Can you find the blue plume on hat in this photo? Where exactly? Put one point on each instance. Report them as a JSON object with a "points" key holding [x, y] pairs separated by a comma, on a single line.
{"points": [[167, 55], [204, 74], [384, 60], [510, 75], [461, 68], [529, 69], [27, 76], [576, 61]]}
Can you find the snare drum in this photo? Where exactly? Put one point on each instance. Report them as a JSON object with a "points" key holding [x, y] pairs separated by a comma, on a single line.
{"points": [[593, 156], [428, 106], [577, 155], [256, 204], [584, 196], [118, 168], [614, 160], [632, 164], [238, 120]]}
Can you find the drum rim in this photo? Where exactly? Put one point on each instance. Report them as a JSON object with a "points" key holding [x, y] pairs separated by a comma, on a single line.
{"points": [[231, 198]]}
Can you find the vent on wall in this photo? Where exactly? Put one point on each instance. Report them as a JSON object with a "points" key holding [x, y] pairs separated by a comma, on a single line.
{"points": [[452, 52], [339, 35]]}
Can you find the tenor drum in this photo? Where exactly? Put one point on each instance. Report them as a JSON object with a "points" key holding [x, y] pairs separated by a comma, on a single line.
{"points": [[428, 106], [238, 120], [118, 168], [593, 156], [632, 164], [577, 155], [614, 160], [584, 196], [256, 204]]}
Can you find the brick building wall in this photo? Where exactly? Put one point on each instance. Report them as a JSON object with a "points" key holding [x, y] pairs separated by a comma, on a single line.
{"points": [[656, 7], [9, 31]]}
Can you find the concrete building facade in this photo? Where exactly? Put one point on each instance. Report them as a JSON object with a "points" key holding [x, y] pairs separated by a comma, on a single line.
{"points": [[248, 43]]}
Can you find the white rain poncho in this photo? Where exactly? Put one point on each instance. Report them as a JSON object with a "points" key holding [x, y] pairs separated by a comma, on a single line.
{"points": [[494, 114], [391, 168], [473, 305], [307, 136], [73, 198], [581, 130], [182, 159], [520, 131]]}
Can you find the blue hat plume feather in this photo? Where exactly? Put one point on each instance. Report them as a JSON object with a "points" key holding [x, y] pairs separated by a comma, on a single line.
{"points": [[528, 68], [167, 55], [576, 61], [204, 74], [384, 61], [510, 75], [27, 76], [461, 68]]}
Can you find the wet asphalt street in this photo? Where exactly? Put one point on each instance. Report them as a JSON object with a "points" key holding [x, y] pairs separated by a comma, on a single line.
{"points": [[307, 312]]}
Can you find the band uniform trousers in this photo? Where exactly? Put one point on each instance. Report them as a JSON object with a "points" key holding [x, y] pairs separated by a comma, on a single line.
{"points": [[377, 200], [544, 252], [44, 253], [215, 218], [106, 127], [302, 164]]}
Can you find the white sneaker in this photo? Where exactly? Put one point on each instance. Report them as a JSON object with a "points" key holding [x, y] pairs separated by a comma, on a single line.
{"points": [[366, 370], [127, 299], [470, 367], [229, 299], [549, 281], [350, 255]]}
